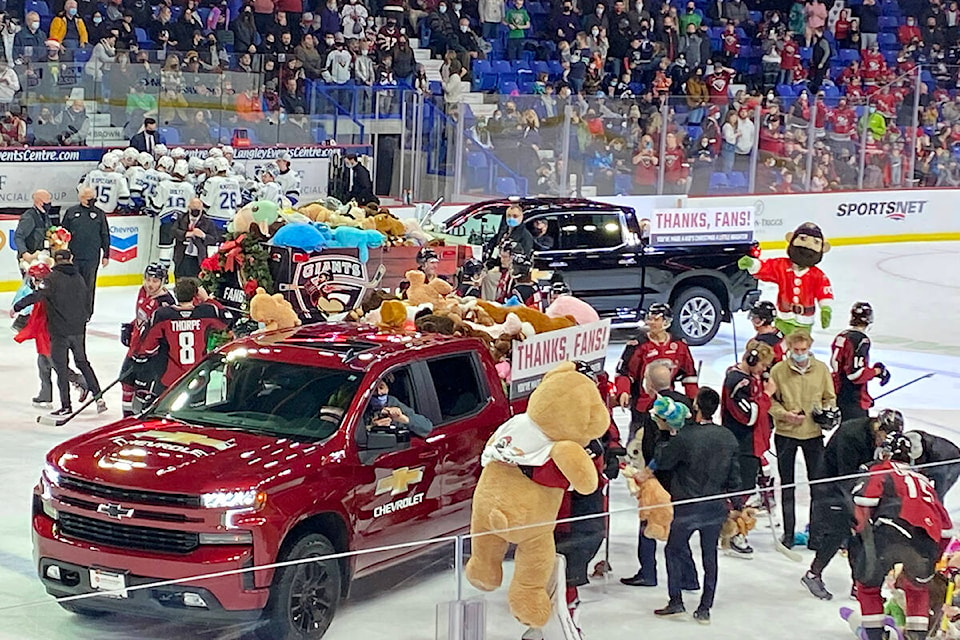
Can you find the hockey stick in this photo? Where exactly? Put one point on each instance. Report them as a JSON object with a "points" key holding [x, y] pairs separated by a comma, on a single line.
{"points": [[778, 544], [52, 421], [905, 384]]}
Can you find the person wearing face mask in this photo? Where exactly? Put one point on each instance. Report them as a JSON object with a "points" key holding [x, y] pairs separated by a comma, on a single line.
{"points": [[68, 28], [386, 413], [244, 30], [31, 230], [597, 19], [192, 235], [30, 43], [566, 24], [800, 408], [90, 238]]}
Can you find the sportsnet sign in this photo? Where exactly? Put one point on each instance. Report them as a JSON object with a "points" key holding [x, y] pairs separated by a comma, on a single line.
{"points": [[890, 209], [123, 243]]}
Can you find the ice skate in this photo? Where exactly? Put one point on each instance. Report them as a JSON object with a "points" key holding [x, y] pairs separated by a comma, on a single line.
{"points": [[42, 404], [815, 586], [739, 547]]}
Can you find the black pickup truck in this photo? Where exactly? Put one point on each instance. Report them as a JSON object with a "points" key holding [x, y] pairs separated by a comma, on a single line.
{"points": [[600, 251]]}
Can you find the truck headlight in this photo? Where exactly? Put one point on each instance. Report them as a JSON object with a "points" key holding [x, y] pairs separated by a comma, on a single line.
{"points": [[51, 474], [233, 499]]}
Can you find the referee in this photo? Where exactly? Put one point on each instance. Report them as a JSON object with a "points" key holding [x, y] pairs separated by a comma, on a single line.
{"points": [[89, 238]]}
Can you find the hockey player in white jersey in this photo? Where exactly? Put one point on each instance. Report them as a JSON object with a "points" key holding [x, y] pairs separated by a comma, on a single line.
{"points": [[148, 179], [173, 195], [288, 179], [109, 185], [160, 150], [129, 158], [269, 189], [198, 172], [237, 168], [221, 193]]}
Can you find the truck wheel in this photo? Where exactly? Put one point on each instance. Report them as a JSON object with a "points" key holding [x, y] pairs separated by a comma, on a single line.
{"points": [[80, 610], [303, 597], [696, 316]]}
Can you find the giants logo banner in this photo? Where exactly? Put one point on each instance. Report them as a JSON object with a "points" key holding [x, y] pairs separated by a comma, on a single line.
{"points": [[323, 286]]}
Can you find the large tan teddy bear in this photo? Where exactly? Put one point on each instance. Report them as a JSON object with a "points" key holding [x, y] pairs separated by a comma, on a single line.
{"points": [[564, 414], [274, 311], [541, 322], [423, 292]]}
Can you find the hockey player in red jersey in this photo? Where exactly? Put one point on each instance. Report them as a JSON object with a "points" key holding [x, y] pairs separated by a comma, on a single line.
{"points": [[656, 345], [762, 314], [899, 520], [850, 362], [178, 334], [152, 296]]}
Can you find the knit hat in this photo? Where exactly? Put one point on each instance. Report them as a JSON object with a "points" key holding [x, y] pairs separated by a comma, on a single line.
{"points": [[673, 413]]}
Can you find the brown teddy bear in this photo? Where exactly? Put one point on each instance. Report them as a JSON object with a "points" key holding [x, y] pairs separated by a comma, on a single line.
{"points": [[389, 226], [541, 322], [393, 315], [274, 311], [564, 413], [655, 507], [421, 292]]}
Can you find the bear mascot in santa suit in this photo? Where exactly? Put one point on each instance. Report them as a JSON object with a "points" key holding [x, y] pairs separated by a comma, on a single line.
{"points": [[802, 285]]}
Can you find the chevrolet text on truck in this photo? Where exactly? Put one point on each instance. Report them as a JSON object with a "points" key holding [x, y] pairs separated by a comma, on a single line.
{"points": [[262, 454]]}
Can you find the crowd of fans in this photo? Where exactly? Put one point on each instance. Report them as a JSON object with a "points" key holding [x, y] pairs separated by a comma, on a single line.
{"points": [[649, 83]]}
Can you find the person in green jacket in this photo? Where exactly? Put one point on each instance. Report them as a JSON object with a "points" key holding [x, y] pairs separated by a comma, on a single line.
{"points": [[690, 17], [797, 22], [518, 21]]}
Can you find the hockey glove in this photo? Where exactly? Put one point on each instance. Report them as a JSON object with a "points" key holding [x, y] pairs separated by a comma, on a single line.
{"points": [[611, 461], [826, 313], [827, 418], [126, 333], [883, 373]]}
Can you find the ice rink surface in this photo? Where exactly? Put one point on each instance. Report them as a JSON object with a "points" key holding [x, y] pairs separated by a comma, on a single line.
{"points": [[915, 291]]}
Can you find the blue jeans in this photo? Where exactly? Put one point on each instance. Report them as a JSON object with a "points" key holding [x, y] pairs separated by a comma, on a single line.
{"points": [[687, 519], [728, 153]]}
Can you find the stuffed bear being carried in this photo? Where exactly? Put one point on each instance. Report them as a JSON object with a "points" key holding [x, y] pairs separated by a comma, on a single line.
{"points": [[802, 285], [528, 464]]}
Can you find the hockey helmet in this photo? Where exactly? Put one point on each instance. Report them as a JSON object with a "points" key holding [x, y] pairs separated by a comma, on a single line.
{"points": [[215, 152], [764, 311], [165, 163], [160, 150], [155, 270], [828, 418], [425, 255], [471, 268], [890, 420], [195, 164], [270, 169], [663, 310], [130, 155], [228, 151], [145, 160], [861, 313], [178, 153], [210, 164], [181, 169], [221, 165], [521, 264], [897, 446], [108, 162]]}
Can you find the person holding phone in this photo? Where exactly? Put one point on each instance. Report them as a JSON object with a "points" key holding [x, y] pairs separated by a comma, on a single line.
{"points": [[386, 412]]}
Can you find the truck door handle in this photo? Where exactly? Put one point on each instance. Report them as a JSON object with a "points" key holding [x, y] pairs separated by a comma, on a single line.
{"points": [[428, 455], [558, 264], [626, 261]]}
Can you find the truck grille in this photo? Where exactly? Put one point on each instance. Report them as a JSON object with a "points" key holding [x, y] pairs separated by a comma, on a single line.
{"points": [[130, 495], [127, 536]]}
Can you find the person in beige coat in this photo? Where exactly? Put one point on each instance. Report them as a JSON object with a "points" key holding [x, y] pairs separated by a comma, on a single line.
{"points": [[803, 388]]}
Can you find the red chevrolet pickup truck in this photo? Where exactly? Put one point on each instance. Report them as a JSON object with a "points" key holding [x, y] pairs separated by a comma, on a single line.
{"points": [[264, 453]]}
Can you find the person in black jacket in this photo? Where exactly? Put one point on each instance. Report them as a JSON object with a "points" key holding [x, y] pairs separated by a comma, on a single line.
{"points": [[928, 448], [820, 64], [67, 304], [89, 238], [357, 184], [658, 381], [703, 458], [192, 234], [31, 232], [869, 14], [831, 513], [148, 137]]}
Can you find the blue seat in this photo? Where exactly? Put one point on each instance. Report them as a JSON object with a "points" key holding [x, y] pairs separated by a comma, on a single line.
{"points": [[541, 66], [436, 87], [718, 183], [806, 54], [891, 9], [889, 23], [622, 184], [849, 55], [694, 131], [506, 187], [556, 69], [319, 135], [830, 93], [204, 13], [142, 37], [39, 6], [737, 181], [481, 69], [785, 90], [170, 135], [82, 55], [888, 41], [477, 170], [755, 16], [507, 87]]}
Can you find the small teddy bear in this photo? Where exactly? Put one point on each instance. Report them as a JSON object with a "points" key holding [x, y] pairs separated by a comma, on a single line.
{"points": [[274, 311], [652, 498], [421, 291]]}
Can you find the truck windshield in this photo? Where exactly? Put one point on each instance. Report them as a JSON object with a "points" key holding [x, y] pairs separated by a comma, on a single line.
{"points": [[239, 390]]}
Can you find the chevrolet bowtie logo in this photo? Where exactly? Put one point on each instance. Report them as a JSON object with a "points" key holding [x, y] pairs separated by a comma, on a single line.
{"points": [[185, 437], [115, 511], [399, 480]]}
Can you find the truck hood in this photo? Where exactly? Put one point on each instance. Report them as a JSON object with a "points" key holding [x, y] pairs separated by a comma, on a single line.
{"points": [[170, 456]]}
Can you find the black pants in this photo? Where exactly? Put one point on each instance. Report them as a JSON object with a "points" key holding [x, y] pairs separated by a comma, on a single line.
{"points": [[188, 267], [60, 348], [831, 518], [580, 540], [45, 369], [786, 463], [88, 269], [851, 410], [749, 470], [706, 518]]}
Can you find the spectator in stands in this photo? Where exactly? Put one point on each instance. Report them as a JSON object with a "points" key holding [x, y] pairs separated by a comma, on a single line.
{"points": [[330, 19], [467, 46], [196, 131], [10, 26], [45, 129], [491, 16], [693, 47], [30, 43], [339, 67], [68, 28], [404, 61], [566, 24], [162, 24], [730, 44], [454, 86], [697, 96], [736, 12], [73, 125], [9, 85], [789, 59], [518, 22], [731, 136], [843, 30], [100, 27], [292, 98], [815, 18], [13, 130], [248, 105], [869, 14], [797, 19], [353, 17], [909, 33], [820, 63], [307, 53], [263, 11], [245, 31], [101, 59]]}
